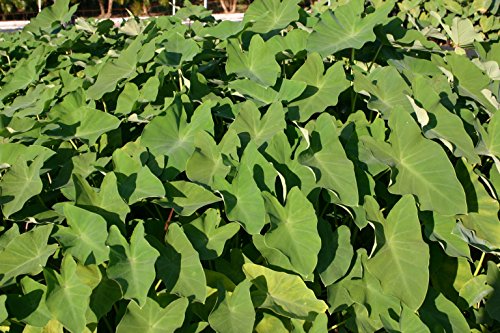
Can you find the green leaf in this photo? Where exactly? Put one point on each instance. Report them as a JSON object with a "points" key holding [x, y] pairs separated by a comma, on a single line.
{"points": [[85, 238], [493, 301], [475, 290], [30, 307], [283, 293], [21, 183], [402, 259], [336, 253], [345, 28], [326, 157], [422, 168], [116, 70], [135, 180], [206, 163], [251, 125], [207, 237], [440, 229], [25, 253], [482, 216], [270, 323], [177, 50], [323, 89], [132, 265], [152, 318], [258, 63], [438, 313], [127, 100], [3, 310], [67, 297], [472, 82], [179, 266], [26, 71], [445, 125], [271, 15], [185, 197], [385, 86], [107, 202], [234, 312], [171, 135], [243, 201], [56, 13], [68, 123], [294, 231]]}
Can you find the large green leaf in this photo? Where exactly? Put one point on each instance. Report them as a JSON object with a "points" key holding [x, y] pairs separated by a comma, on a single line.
{"points": [[251, 125], [152, 318], [135, 180], [283, 293], [132, 265], [85, 238], [186, 197], [21, 183], [73, 118], [116, 70], [25, 253], [179, 266], [177, 50], [67, 297], [294, 231], [336, 253], [386, 88], [171, 134], [482, 215], [323, 88], [346, 28], [438, 313], [206, 163], [422, 168], [445, 125], [271, 15], [107, 202], [471, 81], [234, 312], [257, 64], [243, 201], [327, 159], [402, 259], [207, 237]]}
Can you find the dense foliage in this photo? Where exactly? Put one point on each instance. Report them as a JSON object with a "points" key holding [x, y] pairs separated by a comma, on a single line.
{"points": [[297, 171]]}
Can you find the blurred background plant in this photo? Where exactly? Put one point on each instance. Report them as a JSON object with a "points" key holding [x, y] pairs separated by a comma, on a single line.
{"points": [[441, 20]]}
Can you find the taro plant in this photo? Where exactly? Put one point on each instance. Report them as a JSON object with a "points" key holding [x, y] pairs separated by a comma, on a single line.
{"points": [[296, 171]]}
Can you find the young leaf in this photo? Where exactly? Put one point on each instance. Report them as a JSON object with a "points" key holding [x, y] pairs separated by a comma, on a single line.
{"points": [[67, 297], [402, 261]]}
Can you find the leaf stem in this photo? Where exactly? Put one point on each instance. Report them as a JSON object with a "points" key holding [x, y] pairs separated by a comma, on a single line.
{"points": [[337, 325], [159, 212], [108, 325], [158, 285], [478, 267], [73, 144], [167, 223], [375, 57], [180, 79]]}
